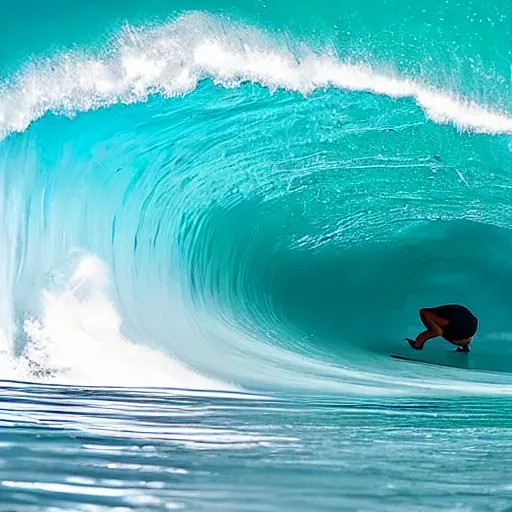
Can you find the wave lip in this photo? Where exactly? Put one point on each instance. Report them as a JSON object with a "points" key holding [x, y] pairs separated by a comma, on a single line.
{"points": [[173, 59]]}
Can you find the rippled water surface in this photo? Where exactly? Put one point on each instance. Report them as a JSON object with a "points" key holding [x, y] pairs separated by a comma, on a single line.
{"points": [[117, 449]]}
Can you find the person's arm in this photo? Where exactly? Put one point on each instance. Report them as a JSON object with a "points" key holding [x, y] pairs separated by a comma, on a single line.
{"points": [[423, 337]]}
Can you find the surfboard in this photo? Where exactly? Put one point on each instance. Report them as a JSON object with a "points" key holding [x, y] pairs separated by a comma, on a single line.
{"points": [[489, 363], [482, 358], [460, 362]]}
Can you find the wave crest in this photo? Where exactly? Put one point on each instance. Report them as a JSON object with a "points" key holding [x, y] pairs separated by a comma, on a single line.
{"points": [[173, 59]]}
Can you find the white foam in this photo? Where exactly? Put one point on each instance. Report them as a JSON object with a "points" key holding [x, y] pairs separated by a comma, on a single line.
{"points": [[77, 339], [172, 59]]}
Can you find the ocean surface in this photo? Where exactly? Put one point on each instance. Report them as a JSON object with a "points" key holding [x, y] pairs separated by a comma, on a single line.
{"points": [[218, 220]]}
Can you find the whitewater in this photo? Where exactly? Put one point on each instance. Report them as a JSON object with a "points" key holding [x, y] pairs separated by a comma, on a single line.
{"points": [[219, 222]]}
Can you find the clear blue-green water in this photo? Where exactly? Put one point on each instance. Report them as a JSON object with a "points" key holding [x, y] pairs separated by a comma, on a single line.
{"points": [[218, 221]]}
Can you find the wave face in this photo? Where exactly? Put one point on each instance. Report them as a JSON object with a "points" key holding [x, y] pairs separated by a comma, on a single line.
{"points": [[207, 203]]}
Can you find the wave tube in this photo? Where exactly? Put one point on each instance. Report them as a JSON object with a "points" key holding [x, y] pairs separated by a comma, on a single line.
{"points": [[202, 206]]}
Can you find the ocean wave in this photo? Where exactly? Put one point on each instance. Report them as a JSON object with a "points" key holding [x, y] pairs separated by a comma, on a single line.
{"points": [[235, 239], [173, 59]]}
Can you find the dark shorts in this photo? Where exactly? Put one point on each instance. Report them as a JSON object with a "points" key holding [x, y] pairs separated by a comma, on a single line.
{"points": [[462, 324]]}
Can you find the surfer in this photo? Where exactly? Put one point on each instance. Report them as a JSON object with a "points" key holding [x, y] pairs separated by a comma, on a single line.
{"points": [[452, 322]]}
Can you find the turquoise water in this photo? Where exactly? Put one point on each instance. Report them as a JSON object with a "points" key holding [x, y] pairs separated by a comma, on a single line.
{"points": [[219, 221]]}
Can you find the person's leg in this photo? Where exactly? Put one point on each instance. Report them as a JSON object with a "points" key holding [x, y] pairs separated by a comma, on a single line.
{"points": [[432, 318], [434, 324]]}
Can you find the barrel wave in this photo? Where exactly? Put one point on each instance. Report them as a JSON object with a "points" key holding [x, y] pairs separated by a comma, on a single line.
{"points": [[208, 204]]}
